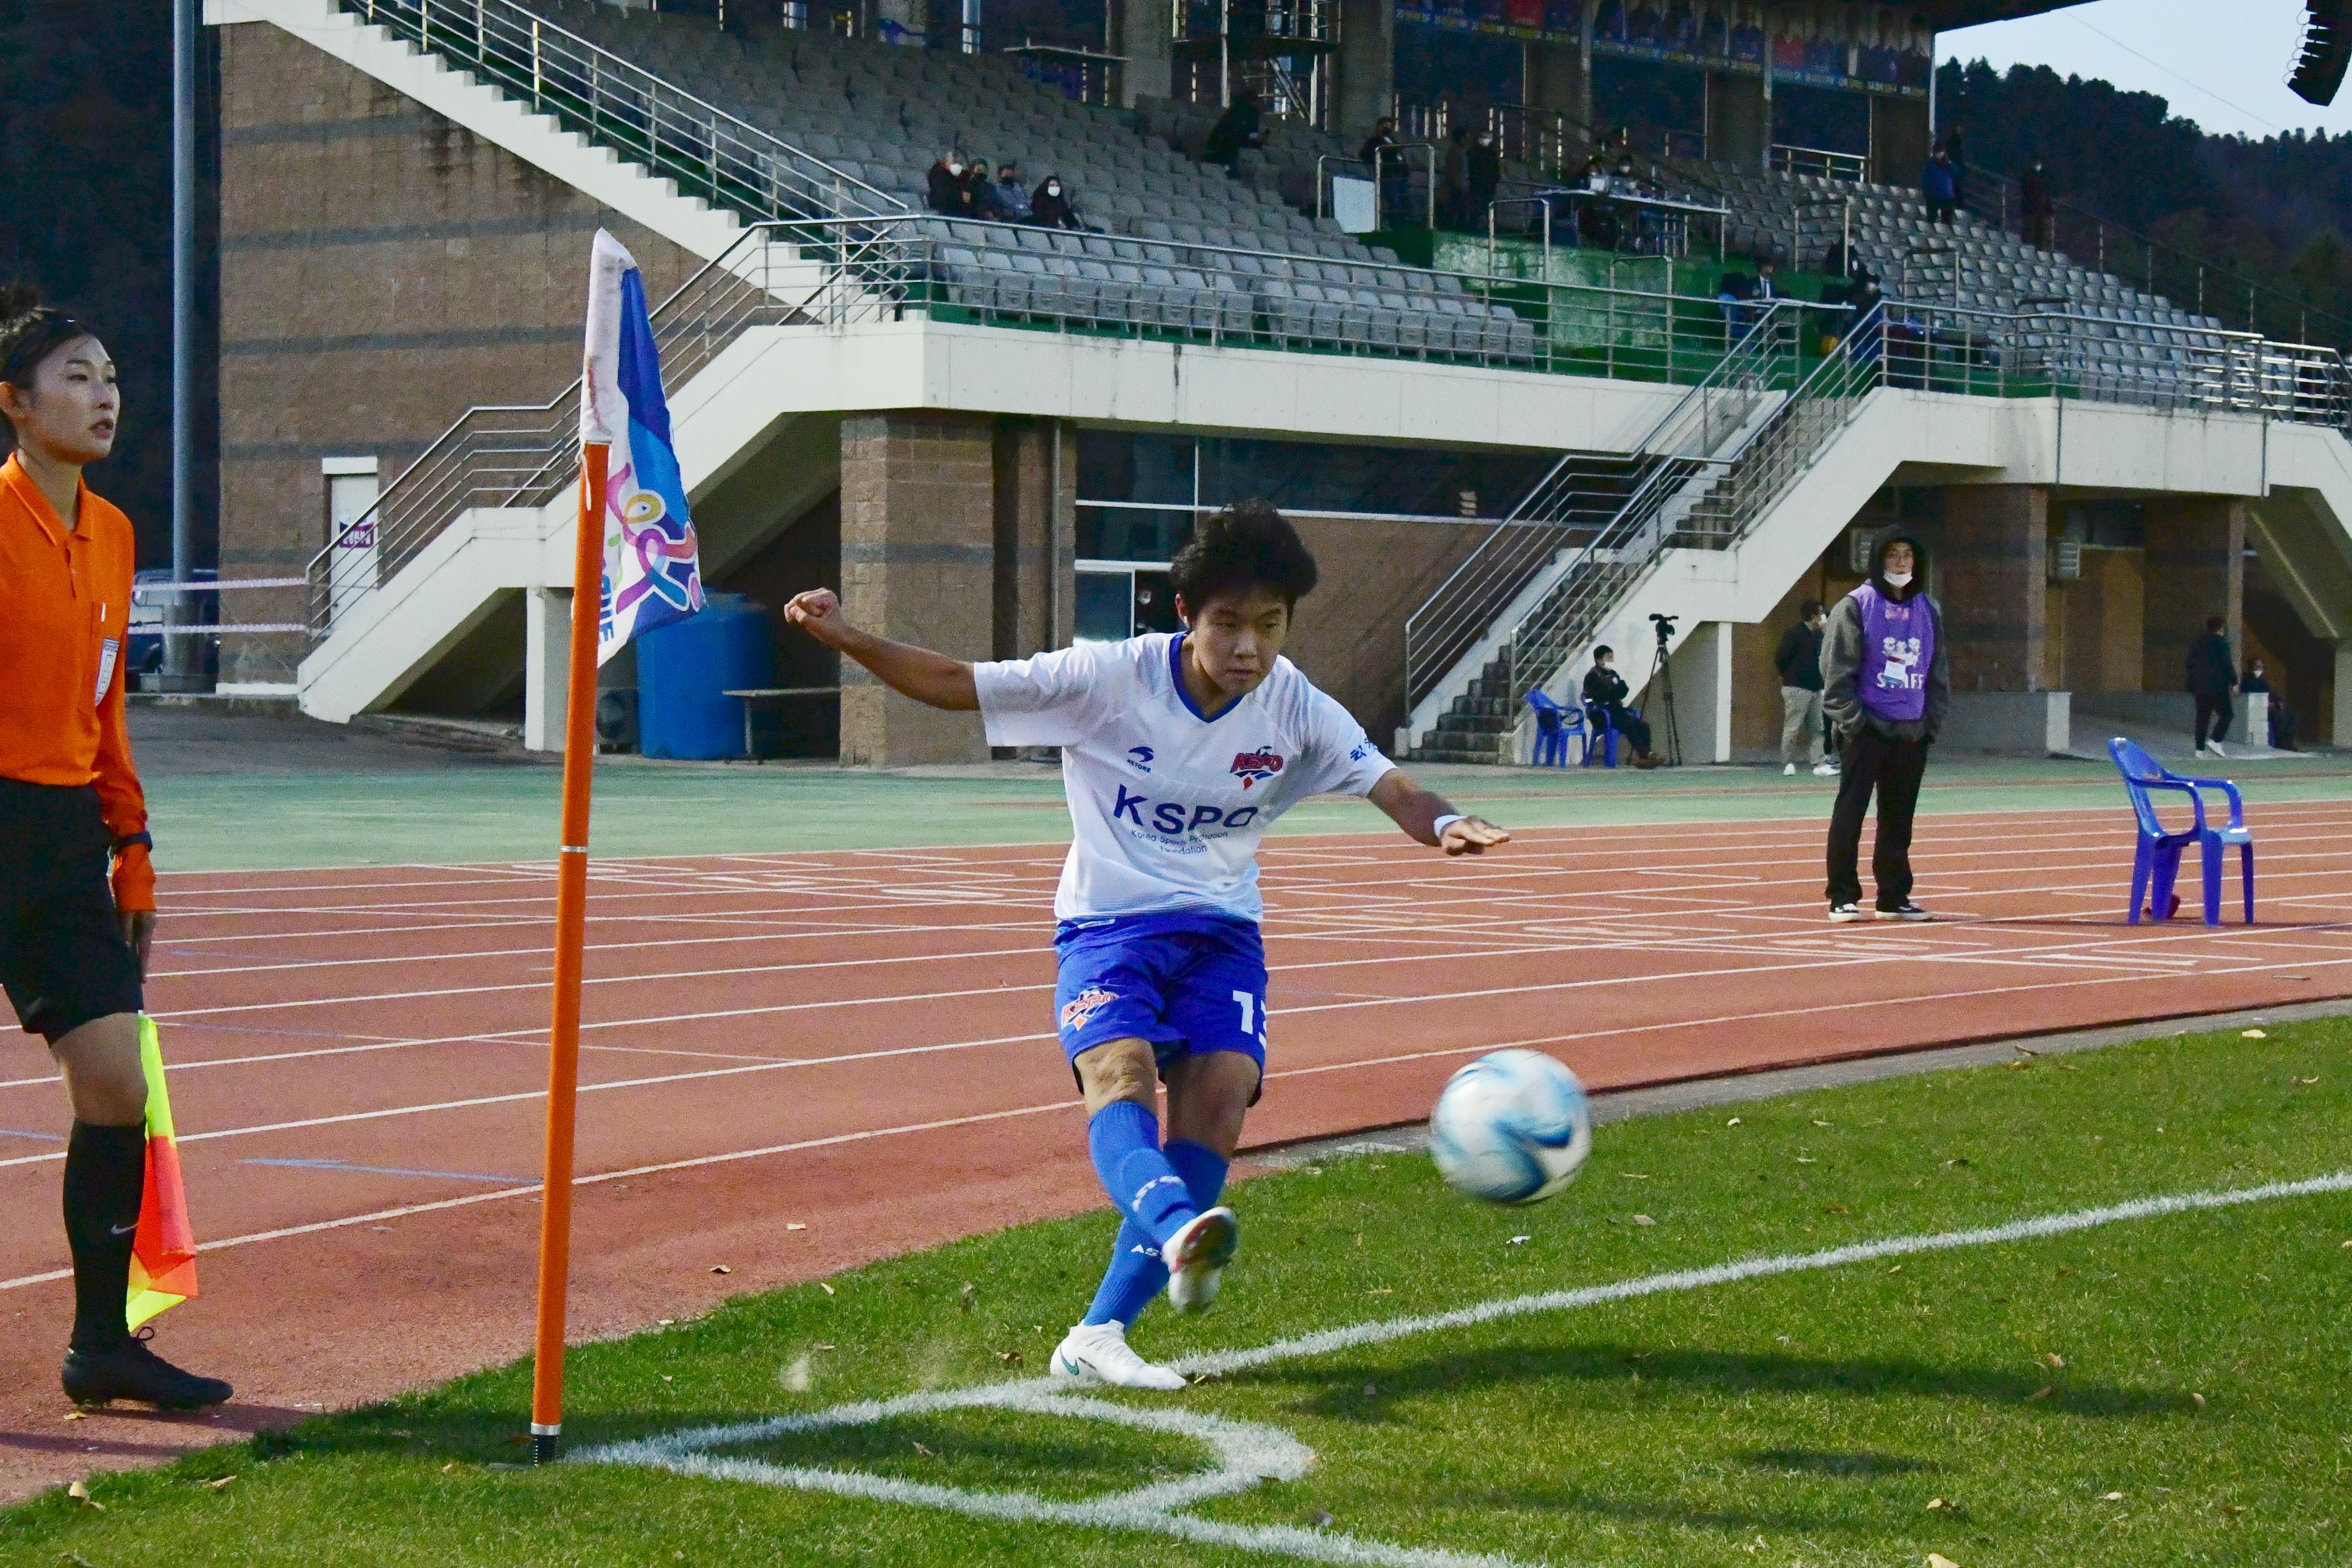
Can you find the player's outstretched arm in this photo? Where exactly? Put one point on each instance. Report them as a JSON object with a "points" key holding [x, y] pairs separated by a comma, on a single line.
{"points": [[1418, 811], [928, 678]]}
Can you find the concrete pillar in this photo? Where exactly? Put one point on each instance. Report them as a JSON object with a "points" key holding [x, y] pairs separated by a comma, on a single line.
{"points": [[1738, 122], [2340, 717], [547, 667], [1989, 567], [1366, 68], [1036, 535], [1559, 77], [918, 563], [1899, 139], [1144, 31], [1702, 683], [2195, 566]]}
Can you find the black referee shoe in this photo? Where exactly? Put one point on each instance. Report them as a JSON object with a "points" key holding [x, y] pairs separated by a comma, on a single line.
{"points": [[131, 1370]]}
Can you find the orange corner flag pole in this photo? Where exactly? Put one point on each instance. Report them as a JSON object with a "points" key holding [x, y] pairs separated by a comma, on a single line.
{"points": [[571, 934]]}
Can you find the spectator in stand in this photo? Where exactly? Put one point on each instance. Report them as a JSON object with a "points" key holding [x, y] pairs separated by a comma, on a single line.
{"points": [[2040, 207], [2281, 725], [1886, 684], [1766, 290], [1732, 293], [2212, 675], [1005, 201], [1240, 127], [1940, 189], [1482, 172], [1051, 206], [1956, 151], [1386, 157], [1799, 660], [1454, 200], [1605, 701], [948, 191]]}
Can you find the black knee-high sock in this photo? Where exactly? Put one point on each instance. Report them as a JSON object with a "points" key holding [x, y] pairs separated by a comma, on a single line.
{"points": [[105, 1174]]}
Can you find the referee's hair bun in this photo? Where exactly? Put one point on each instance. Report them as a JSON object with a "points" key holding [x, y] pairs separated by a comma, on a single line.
{"points": [[19, 299]]}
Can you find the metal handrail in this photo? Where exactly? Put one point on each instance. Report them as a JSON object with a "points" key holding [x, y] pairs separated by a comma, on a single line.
{"points": [[1783, 158], [623, 106], [1455, 618]]}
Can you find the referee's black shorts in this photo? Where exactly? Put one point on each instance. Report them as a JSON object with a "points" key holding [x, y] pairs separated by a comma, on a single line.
{"points": [[63, 961]]}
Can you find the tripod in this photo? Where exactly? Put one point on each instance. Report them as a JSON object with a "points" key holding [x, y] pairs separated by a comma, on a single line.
{"points": [[1666, 735]]}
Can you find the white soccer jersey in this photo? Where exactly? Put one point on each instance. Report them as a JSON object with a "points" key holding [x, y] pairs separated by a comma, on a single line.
{"points": [[1169, 806]]}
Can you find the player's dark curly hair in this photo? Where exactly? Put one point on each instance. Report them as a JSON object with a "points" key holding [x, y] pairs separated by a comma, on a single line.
{"points": [[30, 333], [1248, 544]]}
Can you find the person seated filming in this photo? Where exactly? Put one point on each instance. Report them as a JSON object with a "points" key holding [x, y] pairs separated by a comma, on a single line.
{"points": [[1604, 697]]}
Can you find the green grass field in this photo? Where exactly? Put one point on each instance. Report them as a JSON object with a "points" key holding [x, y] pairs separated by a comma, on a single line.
{"points": [[2149, 1391]]}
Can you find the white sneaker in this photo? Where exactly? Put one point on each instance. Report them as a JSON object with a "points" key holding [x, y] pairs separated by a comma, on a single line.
{"points": [[1840, 913], [1196, 1255], [1100, 1352], [2215, 747], [1825, 770], [1788, 769]]}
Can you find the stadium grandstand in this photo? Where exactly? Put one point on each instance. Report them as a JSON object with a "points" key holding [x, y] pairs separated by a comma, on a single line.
{"points": [[1513, 377]]}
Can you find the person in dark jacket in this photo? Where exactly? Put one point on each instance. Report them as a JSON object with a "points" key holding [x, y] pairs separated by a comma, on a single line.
{"points": [[2282, 724], [1482, 171], [1957, 151], [1240, 126], [1941, 188], [2212, 675], [946, 189], [1604, 700], [2040, 206], [1050, 206], [1386, 159], [1886, 685], [1005, 201], [1799, 660]]}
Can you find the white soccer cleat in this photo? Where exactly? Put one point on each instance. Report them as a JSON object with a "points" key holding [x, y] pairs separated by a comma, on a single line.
{"points": [[1100, 1352], [1196, 1255], [1788, 769]]}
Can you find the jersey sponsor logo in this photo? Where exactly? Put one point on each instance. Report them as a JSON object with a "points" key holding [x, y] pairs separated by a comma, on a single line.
{"points": [[1174, 819], [1255, 767], [1362, 751], [1139, 758], [1084, 1006]]}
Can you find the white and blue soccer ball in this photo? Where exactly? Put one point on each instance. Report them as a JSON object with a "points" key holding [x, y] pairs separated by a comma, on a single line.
{"points": [[1511, 1128]]}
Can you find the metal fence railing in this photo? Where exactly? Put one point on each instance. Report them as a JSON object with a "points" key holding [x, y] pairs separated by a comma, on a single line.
{"points": [[709, 152]]}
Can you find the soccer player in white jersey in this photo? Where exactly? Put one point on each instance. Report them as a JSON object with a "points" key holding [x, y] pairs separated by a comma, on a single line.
{"points": [[1178, 753]]}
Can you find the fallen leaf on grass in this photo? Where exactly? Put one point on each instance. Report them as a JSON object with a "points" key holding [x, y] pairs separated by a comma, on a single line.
{"points": [[2111, 1497], [924, 1452], [2253, 1035], [2233, 1509], [1935, 1504], [1802, 1160], [1836, 1208], [1818, 1123], [1642, 1176], [822, 1345], [2054, 1361], [2024, 1051], [824, 1287], [1897, 1270], [2044, 1391], [1733, 1123], [966, 1297], [79, 1492], [1518, 1241], [720, 1268], [2305, 1083], [1010, 1358], [1205, 1376], [1938, 1560], [213, 1485], [2198, 1400], [1643, 1219], [448, 1467]]}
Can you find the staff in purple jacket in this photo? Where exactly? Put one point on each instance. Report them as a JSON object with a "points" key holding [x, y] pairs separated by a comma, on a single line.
{"points": [[1886, 684]]}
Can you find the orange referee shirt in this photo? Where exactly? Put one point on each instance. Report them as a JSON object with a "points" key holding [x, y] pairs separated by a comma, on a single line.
{"points": [[64, 610]]}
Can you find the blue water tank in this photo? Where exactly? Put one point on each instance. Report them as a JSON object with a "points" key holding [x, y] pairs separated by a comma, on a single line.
{"points": [[685, 669]]}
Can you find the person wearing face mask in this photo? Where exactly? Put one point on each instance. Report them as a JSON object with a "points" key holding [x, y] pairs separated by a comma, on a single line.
{"points": [[1005, 201], [2282, 726], [1482, 171], [1604, 704], [947, 191], [1052, 207], [1886, 684]]}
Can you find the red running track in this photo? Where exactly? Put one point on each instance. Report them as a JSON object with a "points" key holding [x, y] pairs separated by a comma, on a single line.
{"points": [[779, 1041]]}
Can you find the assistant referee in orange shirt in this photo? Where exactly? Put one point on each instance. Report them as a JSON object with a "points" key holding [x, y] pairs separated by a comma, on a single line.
{"points": [[73, 949]]}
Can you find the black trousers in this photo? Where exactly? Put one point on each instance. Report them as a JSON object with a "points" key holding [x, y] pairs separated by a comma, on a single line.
{"points": [[1893, 768], [2213, 718], [1633, 727]]}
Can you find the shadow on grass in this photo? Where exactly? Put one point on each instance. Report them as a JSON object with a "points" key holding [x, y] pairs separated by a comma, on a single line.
{"points": [[1337, 1392]]}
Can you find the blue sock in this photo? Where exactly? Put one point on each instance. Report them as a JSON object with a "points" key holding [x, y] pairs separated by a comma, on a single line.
{"points": [[1136, 1275], [1124, 1139]]}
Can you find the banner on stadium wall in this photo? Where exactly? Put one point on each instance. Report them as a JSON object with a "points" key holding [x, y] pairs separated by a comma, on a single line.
{"points": [[653, 574], [1867, 48]]}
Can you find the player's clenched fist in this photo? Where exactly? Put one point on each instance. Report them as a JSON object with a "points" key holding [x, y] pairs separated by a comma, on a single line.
{"points": [[819, 610]]}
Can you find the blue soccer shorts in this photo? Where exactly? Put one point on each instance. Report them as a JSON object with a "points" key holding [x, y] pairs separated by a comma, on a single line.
{"points": [[1186, 991]]}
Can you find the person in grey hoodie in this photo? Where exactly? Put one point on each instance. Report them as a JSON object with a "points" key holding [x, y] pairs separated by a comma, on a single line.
{"points": [[1886, 684]]}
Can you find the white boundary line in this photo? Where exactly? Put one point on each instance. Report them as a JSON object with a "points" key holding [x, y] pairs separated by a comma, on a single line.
{"points": [[1249, 1452]]}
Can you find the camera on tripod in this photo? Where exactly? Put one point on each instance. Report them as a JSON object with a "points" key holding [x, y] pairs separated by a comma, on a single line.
{"points": [[1665, 624]]}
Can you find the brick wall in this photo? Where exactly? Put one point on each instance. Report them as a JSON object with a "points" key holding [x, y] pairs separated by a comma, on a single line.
{"points": [[1350, 631], [1990, 573], [381, 271], [2196, 568]]}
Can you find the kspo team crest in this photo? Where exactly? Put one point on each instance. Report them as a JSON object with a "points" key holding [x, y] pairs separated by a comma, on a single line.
{"points": [[1255, 767], [1084, 1006]]}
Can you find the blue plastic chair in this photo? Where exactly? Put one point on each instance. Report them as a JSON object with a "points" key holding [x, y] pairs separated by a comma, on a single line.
{"points": [[1555, 725], [2156, 861], [1602, 734]]}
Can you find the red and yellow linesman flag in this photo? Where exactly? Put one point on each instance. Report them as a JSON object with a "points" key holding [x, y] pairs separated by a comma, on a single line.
{"points": [[163, 1250]]}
